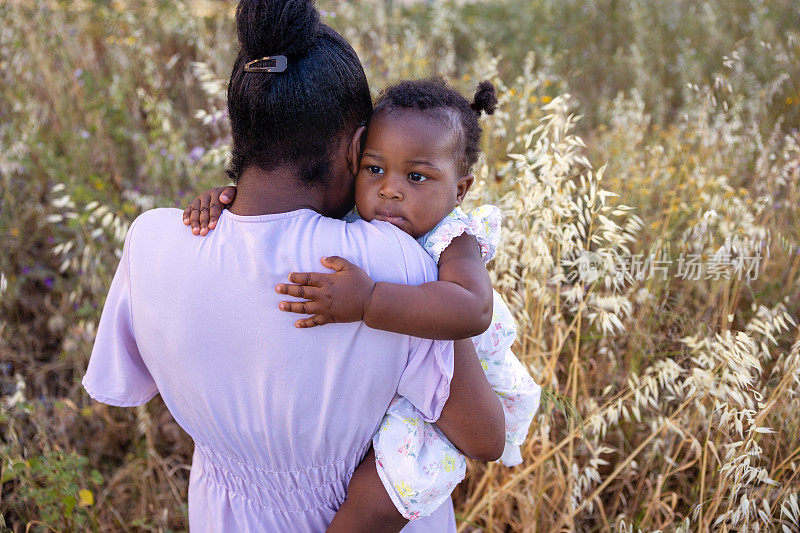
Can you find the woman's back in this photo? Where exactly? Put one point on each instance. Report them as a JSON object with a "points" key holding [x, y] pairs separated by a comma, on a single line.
{"points": [[280, 416]]}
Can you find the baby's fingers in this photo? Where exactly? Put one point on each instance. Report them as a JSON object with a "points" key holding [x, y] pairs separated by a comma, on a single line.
{"points": [[213, 215], [303, 308], [186, 214], [311, 279], [298, 291], [205, 209], [194, 216], [310, 322], [227, 194], [221, 197], [336, 263]]}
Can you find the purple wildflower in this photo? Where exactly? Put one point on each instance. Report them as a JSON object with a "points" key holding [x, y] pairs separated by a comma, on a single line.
{"points": [[196, 153]]}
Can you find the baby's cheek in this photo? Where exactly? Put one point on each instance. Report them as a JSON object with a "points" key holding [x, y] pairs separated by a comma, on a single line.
{"points": [[365, 202]]}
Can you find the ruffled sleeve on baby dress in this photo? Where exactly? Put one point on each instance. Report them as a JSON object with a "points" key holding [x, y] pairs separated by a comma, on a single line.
{"points": [[116, 374], [483, 222]]}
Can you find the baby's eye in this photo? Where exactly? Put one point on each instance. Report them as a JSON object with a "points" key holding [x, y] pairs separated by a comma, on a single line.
{"points": [[374, 169], [416, 176]]}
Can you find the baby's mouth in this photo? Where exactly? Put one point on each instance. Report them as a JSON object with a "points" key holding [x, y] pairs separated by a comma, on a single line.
{"points": [[390, 218]]}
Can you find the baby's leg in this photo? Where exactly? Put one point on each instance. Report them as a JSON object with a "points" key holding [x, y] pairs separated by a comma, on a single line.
{"points": [[367, 507], [417, 464]]}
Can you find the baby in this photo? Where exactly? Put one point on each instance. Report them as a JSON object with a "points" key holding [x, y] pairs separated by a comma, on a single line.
{"points": [[415, 169]]}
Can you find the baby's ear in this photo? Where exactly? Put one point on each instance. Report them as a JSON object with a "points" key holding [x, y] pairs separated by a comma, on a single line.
{"points": [[464, 183], [354, 153]]}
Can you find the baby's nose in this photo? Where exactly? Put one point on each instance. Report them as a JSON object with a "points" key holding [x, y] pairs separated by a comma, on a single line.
{"points": [[390, 190]]}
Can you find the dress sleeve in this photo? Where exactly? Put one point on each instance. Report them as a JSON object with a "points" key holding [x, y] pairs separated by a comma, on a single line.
{"points": [[426, 379], [483, 222], [116, 374], [425, 382]]}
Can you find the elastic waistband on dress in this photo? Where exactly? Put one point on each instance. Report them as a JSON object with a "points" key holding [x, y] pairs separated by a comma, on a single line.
{"points": [[289, 491]]}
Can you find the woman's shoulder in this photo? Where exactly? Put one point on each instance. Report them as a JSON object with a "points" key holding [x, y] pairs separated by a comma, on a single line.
{"points": [[158, 216], [155, 229], [483, 222], [388, 247], [158, 221]]}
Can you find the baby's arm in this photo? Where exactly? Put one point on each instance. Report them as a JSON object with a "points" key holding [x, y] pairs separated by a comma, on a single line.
{"points": [[457, 306]]}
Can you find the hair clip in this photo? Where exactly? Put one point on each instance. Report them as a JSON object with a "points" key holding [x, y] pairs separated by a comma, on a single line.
{"points": [[270, 64]]}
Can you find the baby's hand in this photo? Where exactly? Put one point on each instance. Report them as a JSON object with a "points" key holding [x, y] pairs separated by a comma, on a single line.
{"points": [[341, 296], [203, 213]]}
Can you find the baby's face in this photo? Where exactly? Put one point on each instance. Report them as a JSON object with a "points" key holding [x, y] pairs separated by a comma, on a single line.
{"points": [[408, 174]]}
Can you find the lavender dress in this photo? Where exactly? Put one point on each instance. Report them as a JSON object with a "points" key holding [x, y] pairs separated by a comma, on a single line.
{"points": [[280, 416]]}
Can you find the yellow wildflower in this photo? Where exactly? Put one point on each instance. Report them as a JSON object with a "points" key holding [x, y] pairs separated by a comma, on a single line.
{"points": [[86, 497]]}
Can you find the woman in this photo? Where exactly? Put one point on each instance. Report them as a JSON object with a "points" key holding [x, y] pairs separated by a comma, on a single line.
{"points": [[281, 418]]}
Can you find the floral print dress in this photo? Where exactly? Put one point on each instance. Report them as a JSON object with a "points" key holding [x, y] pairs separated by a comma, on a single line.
{"points": [[417, 464]]}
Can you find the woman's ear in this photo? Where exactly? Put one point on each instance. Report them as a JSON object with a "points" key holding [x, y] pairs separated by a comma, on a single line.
{"points": [[464, 183], [354, 153]]}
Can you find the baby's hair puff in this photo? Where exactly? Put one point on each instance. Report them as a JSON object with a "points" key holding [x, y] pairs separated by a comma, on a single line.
{"points": [[485, 99], [436, 94]]}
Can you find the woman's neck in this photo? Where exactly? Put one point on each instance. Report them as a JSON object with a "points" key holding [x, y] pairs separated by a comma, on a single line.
{"points": [[277, 191]]}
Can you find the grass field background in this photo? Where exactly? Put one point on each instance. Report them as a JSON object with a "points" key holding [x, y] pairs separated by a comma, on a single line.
{"points": [[657, 137]]}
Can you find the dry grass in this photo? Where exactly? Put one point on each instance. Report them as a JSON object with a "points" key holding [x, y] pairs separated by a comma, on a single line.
{"points": [[670, 401]]}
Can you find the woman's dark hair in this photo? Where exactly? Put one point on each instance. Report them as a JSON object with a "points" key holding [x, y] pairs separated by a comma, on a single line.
{"points": [[435, 93], [292, 117]]}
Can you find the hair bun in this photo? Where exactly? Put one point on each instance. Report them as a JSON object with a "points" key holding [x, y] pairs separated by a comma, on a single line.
{"points": [[273, 27], [485, 98]]}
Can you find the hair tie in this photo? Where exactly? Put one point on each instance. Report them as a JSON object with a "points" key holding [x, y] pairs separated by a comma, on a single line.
{"points": [[267, 64]]}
